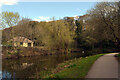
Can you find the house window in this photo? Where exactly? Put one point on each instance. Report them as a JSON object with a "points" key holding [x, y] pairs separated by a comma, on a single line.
{"points": [[29, 44], [21, 43]]}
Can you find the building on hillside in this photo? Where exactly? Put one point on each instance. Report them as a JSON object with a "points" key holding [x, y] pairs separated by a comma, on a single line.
{"points": [[84, 19], [22, 42], [71, 21]]}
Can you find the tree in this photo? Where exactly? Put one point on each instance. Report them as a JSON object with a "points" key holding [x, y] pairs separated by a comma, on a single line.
{"points": [[71, 23], [28, 29], [9, 19], [78, 31], [104, 20], [55, 35], [22, 28]]}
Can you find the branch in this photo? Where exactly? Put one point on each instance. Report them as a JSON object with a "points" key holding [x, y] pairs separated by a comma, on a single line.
{"points": [[104, 20]]}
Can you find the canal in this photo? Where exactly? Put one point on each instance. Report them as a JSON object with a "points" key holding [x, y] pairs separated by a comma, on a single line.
{"points": [[37, 66]]}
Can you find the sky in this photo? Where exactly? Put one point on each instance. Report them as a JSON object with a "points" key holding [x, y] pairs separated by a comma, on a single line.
{"points": [[44, 11]]}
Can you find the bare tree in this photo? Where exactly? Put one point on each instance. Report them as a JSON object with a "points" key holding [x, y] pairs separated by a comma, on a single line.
{"points": [[105, 21]]}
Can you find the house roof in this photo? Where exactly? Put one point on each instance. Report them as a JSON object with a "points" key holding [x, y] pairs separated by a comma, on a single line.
{"points": [[21, 39], [86, 15]]}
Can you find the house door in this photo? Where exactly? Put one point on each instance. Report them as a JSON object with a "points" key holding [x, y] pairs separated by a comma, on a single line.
{"points": [[29, 44], [21, 43]]}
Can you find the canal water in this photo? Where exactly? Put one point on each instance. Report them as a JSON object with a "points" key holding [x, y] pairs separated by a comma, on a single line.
{"points": [[37, 66]]}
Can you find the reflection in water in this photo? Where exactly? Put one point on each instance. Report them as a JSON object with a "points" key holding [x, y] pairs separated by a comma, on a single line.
{"points": [[0, 75], [34, 66], [6, 74]]}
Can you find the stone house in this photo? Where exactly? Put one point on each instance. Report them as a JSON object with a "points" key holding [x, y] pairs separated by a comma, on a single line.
{"points": [[22, 42]]}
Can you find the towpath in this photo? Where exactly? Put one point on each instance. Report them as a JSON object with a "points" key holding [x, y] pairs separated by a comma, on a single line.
{"points": [[104, 67]]}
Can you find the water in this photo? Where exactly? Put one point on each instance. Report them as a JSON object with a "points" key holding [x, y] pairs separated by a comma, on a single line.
{"points": [[37, 66], [0, 75]]}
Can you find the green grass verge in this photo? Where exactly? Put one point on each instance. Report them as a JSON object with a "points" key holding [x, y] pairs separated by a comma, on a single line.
{"points": [[77, 68], [117, 55]]}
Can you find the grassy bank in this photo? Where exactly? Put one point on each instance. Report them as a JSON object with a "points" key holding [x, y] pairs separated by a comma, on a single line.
{"points": [[76, 68], [20, 52], [118, 57]]}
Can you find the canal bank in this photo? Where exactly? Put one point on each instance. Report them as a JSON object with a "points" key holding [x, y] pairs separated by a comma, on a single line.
{"points": [[76, 68], [39, 65], [42, 66]]}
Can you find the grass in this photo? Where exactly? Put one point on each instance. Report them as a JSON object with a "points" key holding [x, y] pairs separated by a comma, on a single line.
{"points": [[76, 68], [117, 55]]}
